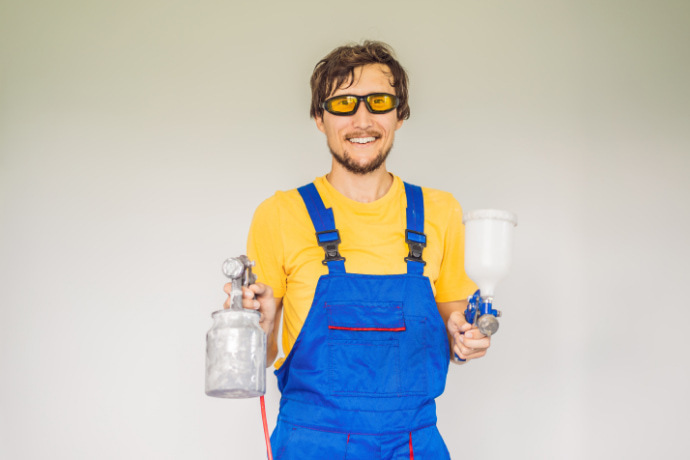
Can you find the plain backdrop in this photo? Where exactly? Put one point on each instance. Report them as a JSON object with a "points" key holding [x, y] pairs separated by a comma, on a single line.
{"points": [[137, 138]]}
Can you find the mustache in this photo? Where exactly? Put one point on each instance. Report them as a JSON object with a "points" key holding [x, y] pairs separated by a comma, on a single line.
{"points": [[369, 133]]}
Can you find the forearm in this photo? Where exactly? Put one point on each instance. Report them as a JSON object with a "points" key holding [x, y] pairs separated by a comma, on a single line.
{"points": [[271, 328]]}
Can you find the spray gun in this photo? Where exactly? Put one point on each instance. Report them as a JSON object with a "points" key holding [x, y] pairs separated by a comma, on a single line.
{"points": [[488, 252], [236, 344]]}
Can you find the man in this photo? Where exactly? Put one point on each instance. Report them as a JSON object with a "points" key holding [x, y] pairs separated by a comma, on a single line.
{"points": [[368, 273]]}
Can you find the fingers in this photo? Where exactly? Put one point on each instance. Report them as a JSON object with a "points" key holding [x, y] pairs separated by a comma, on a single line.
{"points": [[257, 297], [249, 299], [254, 295], [251, 295], [261, 290], [227, 288], [467, 327], [469, 343], [455, 322], [260, 297]]}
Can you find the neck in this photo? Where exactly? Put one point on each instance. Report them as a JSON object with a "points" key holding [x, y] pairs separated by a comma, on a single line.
{"points": [[364, 188]]}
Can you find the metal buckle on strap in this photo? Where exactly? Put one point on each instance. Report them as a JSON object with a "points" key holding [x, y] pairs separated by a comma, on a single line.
{"points": [[417, 242], [329, 241]]}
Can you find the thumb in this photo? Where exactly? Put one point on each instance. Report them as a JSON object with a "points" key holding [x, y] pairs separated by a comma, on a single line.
{"points": [[261, 290]]}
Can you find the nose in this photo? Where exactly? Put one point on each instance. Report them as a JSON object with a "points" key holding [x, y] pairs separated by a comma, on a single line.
{"points": [[362, 118]]}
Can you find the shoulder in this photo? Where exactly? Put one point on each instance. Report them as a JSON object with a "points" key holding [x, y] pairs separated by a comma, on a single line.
{"points": [[433, 196], [284, 213], [442, 213], [440, 205], [280, 202], [437, 197]]}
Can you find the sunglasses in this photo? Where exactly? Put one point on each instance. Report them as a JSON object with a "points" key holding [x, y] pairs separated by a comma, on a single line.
{"points": [[348, 103]]}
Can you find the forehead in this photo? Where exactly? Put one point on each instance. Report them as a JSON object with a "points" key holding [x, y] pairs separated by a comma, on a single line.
{"points": [[370, 78]]}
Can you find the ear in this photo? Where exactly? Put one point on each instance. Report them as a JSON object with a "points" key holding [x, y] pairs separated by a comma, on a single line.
{"points": [[399, 124], [319, 123]]}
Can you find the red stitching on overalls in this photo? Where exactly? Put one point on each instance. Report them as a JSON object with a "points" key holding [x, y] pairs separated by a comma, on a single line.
{"points": [[411, 451], [390, 329]]}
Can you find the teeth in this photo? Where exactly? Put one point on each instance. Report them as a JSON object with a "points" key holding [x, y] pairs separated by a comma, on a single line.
{"points": [[362, 140]]}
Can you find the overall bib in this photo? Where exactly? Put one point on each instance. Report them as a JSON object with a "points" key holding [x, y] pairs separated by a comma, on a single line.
{"points": [[369, 361]]}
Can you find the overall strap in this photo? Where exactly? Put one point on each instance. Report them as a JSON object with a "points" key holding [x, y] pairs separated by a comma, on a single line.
{"points": [[414, 233], [326, 234]]}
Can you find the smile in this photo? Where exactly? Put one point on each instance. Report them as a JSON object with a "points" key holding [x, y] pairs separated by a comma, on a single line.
{"points": [[362, 140]]}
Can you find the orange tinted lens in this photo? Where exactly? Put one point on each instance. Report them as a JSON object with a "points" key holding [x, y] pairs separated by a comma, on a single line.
{"points": [[342, 104], [381, 102]]}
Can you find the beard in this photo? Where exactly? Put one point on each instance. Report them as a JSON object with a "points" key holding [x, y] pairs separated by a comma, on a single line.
{"points": [[346, 161]]}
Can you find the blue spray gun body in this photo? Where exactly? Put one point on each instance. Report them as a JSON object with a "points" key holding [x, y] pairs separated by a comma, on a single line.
{"points": [[480, 311]]}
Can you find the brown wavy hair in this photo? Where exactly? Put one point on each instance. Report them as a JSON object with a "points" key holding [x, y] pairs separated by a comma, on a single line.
{"points": [[338, 67]]}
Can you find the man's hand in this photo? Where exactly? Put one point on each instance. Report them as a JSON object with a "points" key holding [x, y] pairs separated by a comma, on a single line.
{"points": [[257, 297], [468, 342], [260, 297]]}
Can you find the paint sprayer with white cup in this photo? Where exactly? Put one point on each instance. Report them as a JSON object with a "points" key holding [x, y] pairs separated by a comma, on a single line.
{"points": [[488, 255]]}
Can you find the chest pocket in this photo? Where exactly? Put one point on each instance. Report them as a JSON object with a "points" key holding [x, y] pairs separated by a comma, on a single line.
{"points": [[374, 350]]}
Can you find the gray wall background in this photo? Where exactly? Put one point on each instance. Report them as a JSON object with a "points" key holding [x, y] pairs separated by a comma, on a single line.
{"points": [[136, 139]]}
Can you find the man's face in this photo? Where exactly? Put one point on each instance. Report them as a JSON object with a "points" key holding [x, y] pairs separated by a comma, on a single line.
{"points": [[361, 142]]}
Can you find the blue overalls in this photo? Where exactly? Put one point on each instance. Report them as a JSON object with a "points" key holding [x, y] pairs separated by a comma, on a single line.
{"points": [[371, 357]]}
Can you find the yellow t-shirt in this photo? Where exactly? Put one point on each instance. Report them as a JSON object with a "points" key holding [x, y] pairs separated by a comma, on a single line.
{"points": [[282, 241]]}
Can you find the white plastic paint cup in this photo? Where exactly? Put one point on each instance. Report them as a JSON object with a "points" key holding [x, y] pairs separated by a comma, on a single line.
{"points": [[488, 247]]}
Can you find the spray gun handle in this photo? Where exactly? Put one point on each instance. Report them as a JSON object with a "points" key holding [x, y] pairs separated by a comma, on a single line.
{"points": [[248, 277], [239, 270], [473, 307]]}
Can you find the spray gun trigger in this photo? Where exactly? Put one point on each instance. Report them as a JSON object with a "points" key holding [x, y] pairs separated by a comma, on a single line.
{"points": [[249, 275]]}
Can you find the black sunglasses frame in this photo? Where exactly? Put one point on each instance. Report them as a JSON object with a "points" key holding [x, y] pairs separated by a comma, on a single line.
{"points": [[364, 98]]}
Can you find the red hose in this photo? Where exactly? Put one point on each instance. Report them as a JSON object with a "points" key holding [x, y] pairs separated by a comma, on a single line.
{"points": [[268, 438]]}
